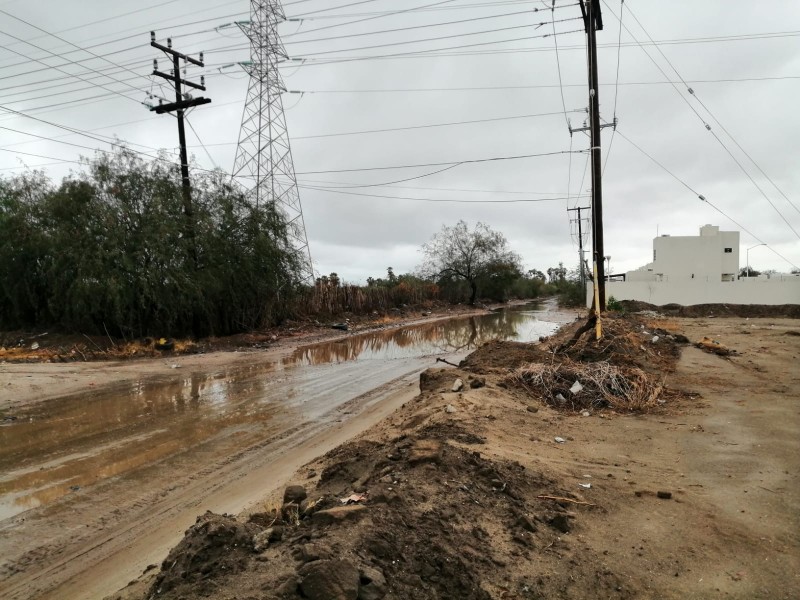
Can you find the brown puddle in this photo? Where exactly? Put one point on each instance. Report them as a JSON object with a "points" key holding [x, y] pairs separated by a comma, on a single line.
{"points": [[60, 446]]}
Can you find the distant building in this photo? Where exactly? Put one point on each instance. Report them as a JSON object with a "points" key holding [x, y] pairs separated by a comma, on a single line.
{"points": [[711, 256], [700, 269]]}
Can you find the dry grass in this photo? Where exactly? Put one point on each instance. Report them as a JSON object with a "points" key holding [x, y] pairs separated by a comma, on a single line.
{"points": [[670, 325], [621, 388]]}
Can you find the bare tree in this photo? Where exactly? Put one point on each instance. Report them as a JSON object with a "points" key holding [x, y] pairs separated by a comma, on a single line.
{"points": [[470, 255]]}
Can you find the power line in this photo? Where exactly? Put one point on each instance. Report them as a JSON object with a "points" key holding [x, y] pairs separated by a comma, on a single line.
{"points": [[699, 116], [702, 198], [439, 38], [413, 27], [425, 8], [738, 145], [444, 200], [540, 49], [372, 17], [530, 87], [320, 183], [441, 164], [419, 53], [313, 12], [558, 66]]}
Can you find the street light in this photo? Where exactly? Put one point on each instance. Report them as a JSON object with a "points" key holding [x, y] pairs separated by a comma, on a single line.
{"points": [[748, 256]]}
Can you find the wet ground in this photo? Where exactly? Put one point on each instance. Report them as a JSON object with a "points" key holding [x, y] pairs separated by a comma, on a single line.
{"points": [[94, 460]]}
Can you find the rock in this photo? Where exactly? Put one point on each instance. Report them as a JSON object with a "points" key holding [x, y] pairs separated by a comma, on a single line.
{"points": [[526, 523], [386, 479], [450, 409], [329, 580], [425, 451], [561, 523], [586, 413], [288, 589], [458, 384], [576, 388], [559, 440], [532, 409], [478, 382], [655, 339], [262, 540], [373, 584], [294, 493], [560, 398], [339, 514], [311, 552], [664, 495]]}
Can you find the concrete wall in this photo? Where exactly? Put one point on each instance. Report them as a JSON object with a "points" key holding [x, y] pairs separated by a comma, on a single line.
{"points": [[772, 291], [702, 257]]}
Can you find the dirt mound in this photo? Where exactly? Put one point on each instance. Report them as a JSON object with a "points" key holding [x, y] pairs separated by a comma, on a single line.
{"points": [[628, 340], [502, 355], [214, 547], [790, 311], [436, 521]]}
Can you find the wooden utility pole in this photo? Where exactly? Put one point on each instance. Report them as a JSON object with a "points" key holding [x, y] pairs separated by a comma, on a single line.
{"points": [[578, 209], [593, 21], [182, 102]]}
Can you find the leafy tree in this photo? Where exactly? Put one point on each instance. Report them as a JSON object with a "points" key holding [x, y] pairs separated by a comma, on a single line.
{"points": [[748, 272], [536, 274], [107, 249], [458, 253]]}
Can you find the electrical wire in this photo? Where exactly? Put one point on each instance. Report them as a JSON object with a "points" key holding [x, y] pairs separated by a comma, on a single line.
{"points": [[443, 200], [441, 164], [419, 53], [558, 67], [702, 198], [702, 120], [370, 18], [413, 27], [439, 38], [711, 114]]}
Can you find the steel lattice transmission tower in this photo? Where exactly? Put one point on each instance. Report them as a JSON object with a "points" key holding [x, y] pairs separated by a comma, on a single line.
{"points": [[263, 164]]}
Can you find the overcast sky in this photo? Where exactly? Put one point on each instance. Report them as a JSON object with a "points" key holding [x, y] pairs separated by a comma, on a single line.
{"points": [[359, 236]]}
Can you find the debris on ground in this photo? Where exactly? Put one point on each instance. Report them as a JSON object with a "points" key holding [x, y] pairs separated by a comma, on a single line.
{"points": [[627, 389], [713, 346]]}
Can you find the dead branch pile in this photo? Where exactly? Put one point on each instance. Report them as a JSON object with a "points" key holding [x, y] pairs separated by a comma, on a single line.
{"points": [[627, 340], [568, 385]]}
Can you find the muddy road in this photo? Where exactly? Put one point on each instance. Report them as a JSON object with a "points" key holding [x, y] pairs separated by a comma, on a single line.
{"points": [[96, 486]]}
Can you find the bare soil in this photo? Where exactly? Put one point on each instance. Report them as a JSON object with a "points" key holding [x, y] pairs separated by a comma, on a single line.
{"points": [[491, 490]]}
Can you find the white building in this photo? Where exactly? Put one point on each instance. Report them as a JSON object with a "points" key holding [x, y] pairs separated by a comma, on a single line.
{"points": [[700, 269], [711, 256]]}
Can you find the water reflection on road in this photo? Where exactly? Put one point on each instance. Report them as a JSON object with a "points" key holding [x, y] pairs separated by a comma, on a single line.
{"points": [[442, 337], [58, 447]]}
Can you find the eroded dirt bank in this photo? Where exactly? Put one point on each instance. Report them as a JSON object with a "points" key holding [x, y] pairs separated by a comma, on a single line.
{"points": [[501, 489]]}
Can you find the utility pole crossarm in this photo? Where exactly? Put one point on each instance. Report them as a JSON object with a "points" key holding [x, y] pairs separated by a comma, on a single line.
{"points": [[181, 104], [174, 78], [184, 104]]}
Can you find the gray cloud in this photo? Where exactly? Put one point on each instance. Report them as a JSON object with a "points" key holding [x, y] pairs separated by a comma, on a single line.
{"points": [[360, 236]]}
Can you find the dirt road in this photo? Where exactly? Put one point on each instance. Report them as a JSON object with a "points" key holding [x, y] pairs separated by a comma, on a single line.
{"points": [[487, 493], [98, 485]]}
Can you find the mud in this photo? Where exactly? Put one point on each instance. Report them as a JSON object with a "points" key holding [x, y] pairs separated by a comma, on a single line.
{"points": [[494, 500], [97, 485]]}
